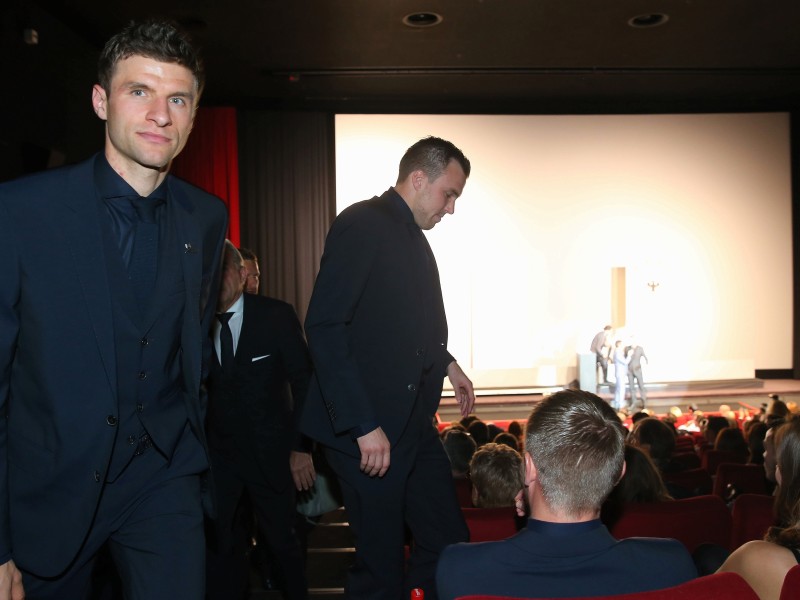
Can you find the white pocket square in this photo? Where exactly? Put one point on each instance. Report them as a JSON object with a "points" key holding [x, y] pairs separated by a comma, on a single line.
{"points": [[259, 358]]}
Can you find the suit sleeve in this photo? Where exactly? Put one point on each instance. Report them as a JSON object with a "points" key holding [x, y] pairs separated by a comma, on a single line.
{"points": [[9, 328], [297, 363], [345, 269]]}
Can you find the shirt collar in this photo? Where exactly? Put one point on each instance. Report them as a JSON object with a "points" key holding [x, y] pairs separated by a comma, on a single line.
{"points": [[110, 185], [400, 206], [237, 307]]}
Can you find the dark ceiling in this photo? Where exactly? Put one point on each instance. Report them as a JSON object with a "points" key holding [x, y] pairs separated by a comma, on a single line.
{"points": [[532, 56]]}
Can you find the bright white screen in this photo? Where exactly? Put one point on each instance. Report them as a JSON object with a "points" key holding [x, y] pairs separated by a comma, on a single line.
{"points": [[699, 204]]}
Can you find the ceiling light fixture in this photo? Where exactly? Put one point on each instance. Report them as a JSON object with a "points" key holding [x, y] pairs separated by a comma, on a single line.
{"points": [[422, 19], [649, 20]]}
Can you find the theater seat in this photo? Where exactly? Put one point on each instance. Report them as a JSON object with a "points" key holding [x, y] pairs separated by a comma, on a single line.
{"points": [[719, 586], [490, 524], [745, 479], [696, 482], [714, 458], [463, 492], [692, 521], [791, 584], [751, 517]]}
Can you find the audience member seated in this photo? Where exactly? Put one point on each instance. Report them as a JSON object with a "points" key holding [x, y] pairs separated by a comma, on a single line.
{"points": [[496, 474], [574, 454], [764, 564], [769, 451], [459, 447], [641, 483], [713, 426], [493, 430], [732, 440], [657, 439], [776, 410], [638, 416], [515, 429], [479, 432], [755, 442], [507, 439]]}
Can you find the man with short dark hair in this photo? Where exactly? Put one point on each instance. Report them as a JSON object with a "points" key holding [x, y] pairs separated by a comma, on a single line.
{"points": [[378, 337], [601, 347], [574, 455], [253, 272], [103, 333]]}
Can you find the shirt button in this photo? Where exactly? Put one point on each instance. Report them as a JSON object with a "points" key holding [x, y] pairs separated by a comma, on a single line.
{"points": [[131, 440], [144, 341], [142, 375], [97, 475], [412, 387], [139, 408], [111, 420], [420, 351]]}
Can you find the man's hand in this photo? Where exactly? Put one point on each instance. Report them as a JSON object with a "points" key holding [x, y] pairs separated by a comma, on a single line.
{"points": [[302, 467], [374, 448], [462, 386], [11, 582]]}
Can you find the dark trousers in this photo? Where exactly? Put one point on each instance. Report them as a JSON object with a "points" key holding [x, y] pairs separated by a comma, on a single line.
{"points": [[152, 520], [602, 362], [275, 516], [417, 491], [635, 375]]}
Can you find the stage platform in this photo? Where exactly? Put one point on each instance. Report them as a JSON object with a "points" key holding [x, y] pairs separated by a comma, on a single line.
{"points": [[705, 395]]}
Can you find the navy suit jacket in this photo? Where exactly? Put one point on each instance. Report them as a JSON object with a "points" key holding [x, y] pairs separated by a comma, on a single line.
{"points": [[253, 411], [562, 560], [58, 375], [376, 326]]}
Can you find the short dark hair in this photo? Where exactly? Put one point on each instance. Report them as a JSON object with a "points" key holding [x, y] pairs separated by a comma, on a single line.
{"points": [[160, 40], [658, 436], [459, 447], [431, 155], [248, 254], [577, 444]]}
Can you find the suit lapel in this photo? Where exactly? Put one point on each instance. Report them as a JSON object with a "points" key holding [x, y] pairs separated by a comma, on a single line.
{"points": [[190, 243], [82, 229]]}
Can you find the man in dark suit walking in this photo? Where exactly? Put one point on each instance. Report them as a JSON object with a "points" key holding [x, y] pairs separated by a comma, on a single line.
{"points": [[260, 357], [109, 270], [378, 338]]}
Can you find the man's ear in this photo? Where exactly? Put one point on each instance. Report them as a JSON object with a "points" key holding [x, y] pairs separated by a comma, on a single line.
{"points": [[622, 473], [418, 178], [100, 101], [530, 470]]}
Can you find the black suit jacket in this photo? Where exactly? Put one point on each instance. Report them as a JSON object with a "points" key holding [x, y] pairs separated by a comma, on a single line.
{"points": [[251, 413], [58, 373], [376, 326]]}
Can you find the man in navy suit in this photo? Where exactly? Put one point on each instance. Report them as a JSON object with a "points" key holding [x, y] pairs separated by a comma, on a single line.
{"points": [[110, 273], [378, 338], [574, 455], [251, 424]]}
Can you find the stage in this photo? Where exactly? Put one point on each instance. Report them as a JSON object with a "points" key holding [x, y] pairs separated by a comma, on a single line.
{"points": [[705, 395]]}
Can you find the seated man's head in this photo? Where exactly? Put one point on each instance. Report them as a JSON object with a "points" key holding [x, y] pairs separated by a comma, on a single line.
{"points": [[496, 474], [654, 437], [459, 447], [574, 455]]}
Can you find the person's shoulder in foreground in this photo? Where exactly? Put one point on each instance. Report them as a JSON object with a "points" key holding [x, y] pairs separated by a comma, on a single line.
{"points": [[548, 563]]}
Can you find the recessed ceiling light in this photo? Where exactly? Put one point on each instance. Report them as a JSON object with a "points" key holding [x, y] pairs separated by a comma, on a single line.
{"points": [[422, 19], [649, 20]]}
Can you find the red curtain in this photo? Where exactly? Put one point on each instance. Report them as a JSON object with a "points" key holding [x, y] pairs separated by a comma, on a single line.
{"points": [[210, 160]]}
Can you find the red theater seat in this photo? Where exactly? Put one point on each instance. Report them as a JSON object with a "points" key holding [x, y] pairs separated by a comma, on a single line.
{"points": [[490, 524], [791, 585], [696, 482], [746, 479], [692, 521], [751, 517], [720, 586]]}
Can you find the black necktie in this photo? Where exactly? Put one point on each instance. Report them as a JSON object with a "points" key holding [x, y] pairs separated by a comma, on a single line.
{"points": [[226, 342], [143, 265]]}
